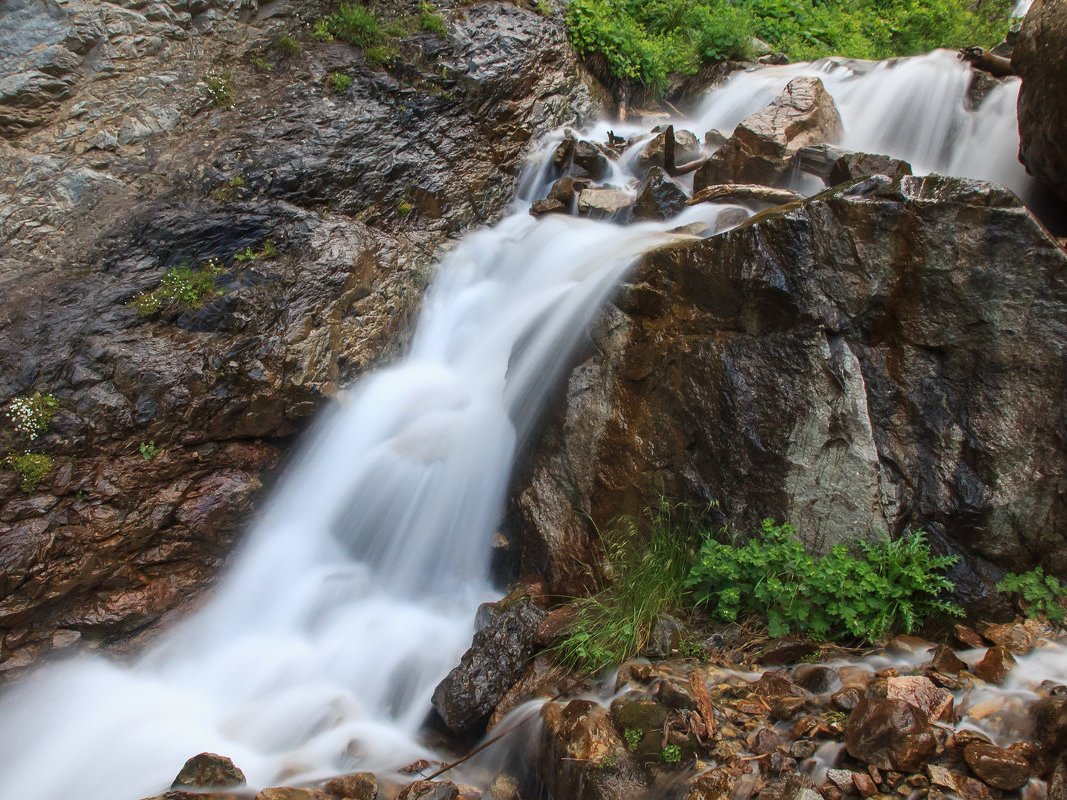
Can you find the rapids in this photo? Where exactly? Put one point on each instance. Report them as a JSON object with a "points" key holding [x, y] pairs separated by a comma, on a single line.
{"points": [[355, 592]]}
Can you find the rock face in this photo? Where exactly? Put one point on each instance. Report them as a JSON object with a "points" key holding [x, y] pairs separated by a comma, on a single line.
{"points": [[127, 171], [1040, 59], [877, 357], [762, 146], [495, 661]]}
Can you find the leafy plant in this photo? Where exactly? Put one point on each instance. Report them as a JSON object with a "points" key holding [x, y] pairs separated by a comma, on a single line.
{"points": [[356, 24], [218, 86], [381, 55], [148, 450], [286, 45], [339, 82], [633, 738], [32, 414], [650, 557], [32, 468], [430, 20], [321, 31], [895, 584], [671, 754], [1043, 594], [181, 288]]}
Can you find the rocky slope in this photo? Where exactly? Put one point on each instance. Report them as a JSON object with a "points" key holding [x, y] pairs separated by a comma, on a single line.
{"points": [[119, 166]]}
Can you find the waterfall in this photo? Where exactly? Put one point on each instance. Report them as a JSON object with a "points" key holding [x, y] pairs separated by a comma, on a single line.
{"points": [[355, 592]]}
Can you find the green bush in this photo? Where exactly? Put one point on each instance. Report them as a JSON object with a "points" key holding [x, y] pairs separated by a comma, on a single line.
{"points": [[646, 40], [650, 558], [357, 25], [181, 288], [286, 45], [32, 468], [218, 86], [894, 584], [1044, 594], [430, 20], [339, 82]]}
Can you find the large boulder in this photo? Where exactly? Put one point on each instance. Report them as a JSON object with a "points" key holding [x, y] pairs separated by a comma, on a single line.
{"points": [[1040, 59], [763, 145], [879, 357], [496, 659], [889, 734]]}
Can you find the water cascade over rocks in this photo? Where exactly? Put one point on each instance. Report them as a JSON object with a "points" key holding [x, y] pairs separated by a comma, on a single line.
{"points": [[356, 591]]}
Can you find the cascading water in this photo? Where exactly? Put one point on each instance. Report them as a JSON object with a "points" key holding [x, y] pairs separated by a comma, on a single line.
{"points": [[355, 594]]}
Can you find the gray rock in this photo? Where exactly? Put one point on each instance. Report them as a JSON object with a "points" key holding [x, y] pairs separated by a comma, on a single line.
{"points": [[603, 203], [658, 197]]}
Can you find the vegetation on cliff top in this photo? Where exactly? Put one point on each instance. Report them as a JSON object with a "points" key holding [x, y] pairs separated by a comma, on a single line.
{"points": [[647, 40]]}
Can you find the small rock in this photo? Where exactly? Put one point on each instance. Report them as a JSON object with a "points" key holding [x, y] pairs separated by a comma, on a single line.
{"points": [[357, 786], [715, 784], [659, 197], [847, 699], [803, 749], [686, 149], [890, 734], [567, 188], [816, 678], [995, 665], [429, 790], [997, 767], [765, 741], [786, 651], [580, 158], [967, 637], [1015, 636], [946, 661], [291, 793], [940, 776], [920, 692], [603, 203], [666, 633], [841, 778], [864, 785], [776, 684], [208, 771], [856, 166], [554, 625], [540, 208]]}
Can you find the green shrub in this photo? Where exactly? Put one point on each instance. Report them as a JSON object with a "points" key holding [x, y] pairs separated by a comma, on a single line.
{"points": [[650, 558], [357, 25], [218, 86], [1044, 594], [381, 55], [286, 45], [430, 20], [322, 31], [148, 450], [32, 414], [181, 288], [32, 468], [895, 584], [339, 82]]}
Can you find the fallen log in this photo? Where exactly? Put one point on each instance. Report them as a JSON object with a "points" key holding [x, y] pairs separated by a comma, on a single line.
{"points": [[997, 66], [744, 192]]}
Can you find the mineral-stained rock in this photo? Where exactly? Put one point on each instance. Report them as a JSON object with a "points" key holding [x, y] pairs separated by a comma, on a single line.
{"points": [[715, 784], [583, 757], [967, 637], [1040, 59], [1016, 636], [292, 793], [995, 664], [429, 790], [357, 786], [899, 308], [208, 771], [946, 661], [580, 158], [921, 693], [889, 734], [603, 202], [996, 766], [816, 678], [659, 197], [495, 661], [762, 146], [686, 148], [856, 166]]}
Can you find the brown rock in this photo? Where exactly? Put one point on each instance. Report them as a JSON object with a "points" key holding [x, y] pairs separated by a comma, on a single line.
{"points": [[853, 167], [659, 197], [967, 637], [772, 685], [715, 784], [356, 786], [864, 785], [752, 195], [995, 665], [848, 698], [920, 692], [786, 651], [1015, 636], [548, 206], [554, 626], [761, 147], [686, 148], [603, 203], [997, 767], [946, 661], [890, 734], [429, 790], [291, 793], [208, 771], [816, 678]]}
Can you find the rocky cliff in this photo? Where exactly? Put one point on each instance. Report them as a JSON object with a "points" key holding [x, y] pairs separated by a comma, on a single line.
{"points": [[139, 137]]}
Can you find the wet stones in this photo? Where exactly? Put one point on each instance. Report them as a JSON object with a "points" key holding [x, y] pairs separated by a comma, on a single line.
{"points": [[580, 158], [659, 197], [997, 766], [762, 146], [856, 166], [429, 790], [686, 147], [946, 661], [890, 734], [357, 786], [921, 693], [603, 203], [209, 771], [995, 665]]}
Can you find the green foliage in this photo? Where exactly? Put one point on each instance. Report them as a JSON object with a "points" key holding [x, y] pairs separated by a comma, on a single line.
{"points": [[218, 86], [321, 31], [404, 207], [896, 584], [260, 64], [32, 468], [32, 414], [181, 288], [633, 738], [650, 558], [430, 20], [381, 55], [148, 450], [646, 40], [286, 45], [339, 82], [671, 754], [1044, 594], [357, 25], [543, 7]]}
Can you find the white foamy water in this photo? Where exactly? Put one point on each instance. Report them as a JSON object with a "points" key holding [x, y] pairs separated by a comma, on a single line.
{"points": [[355, 593]]}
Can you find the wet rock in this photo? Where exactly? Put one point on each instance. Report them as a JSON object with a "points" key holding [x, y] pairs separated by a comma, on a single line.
{"points": [[763, 144], [1018, 637], [786, 651], [540, 208], [889, 734], [715, 784], [946, 661], [686, 148], [1040, 59], [852, 167], [995, 665], [555, 625], [659, 197], [429, 790], [921, 693], [566, 189], [603, 203], [208, 771], [765, 741], [833, 287], [580, 159], [293, 793], [797, 786], [772, 685], [583, 757], [816, 678], [357, 786], [748, 194], [997, 767], [967, 637], [495, 661], [665, 636]]}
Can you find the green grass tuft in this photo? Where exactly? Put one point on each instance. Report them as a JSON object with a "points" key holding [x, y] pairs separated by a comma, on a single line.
{"points": [[31, 468]]}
